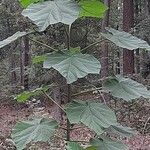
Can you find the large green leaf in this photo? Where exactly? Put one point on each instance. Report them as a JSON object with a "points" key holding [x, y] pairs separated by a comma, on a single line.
{"points": [[24, 96], [105, 143], [121, 130], [26, 3], [50, 12], [12, 38], [33, 131], [73, 65], [96, 116], [125, 88], [73, 146], [92, 8], [125, 40]]}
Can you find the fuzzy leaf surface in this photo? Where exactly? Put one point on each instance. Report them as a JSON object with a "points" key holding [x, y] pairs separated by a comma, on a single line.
{"points": [[46, 13], [94, 115], [125, 88], [34, 130], [125, 40], [73, 65], [12, 38], [121, 130], [105, 143]]}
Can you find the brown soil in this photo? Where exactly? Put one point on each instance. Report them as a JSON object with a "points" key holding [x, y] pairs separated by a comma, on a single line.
{"points": [[137, 115]]}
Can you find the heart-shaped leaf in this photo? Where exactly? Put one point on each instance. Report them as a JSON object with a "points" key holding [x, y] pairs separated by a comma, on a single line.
{"points": [[12, 38], [125, 88], [92, 8], [105, 143], [73, 65], [33, 131], [96, 116], [46, 13], [125, 40]]}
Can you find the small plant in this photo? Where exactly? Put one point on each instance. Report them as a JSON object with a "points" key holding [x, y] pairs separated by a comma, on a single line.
{"points": [[72, 64]]}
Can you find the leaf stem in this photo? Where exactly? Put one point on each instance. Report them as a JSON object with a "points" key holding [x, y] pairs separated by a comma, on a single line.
{"points": [[88, 91], [43, 44], [68, 122], [84, 49], [80, 141], [50, 98]]}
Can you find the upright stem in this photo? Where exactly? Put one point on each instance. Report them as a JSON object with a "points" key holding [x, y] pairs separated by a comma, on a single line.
{"points": [[68, 36], [69, 86], [68, 122]]}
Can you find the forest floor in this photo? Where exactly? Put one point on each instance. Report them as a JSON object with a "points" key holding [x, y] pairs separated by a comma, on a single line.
{"points": [[135, 115]]}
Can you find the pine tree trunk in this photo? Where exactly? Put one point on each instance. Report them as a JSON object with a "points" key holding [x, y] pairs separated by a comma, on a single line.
{"points": [[104, 46], [128, 55], [137, 54]]}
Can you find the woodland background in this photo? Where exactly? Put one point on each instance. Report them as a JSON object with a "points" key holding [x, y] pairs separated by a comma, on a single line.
{"points": [[17, 72]]}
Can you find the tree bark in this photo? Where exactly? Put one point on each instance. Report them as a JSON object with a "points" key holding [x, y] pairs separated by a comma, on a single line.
{"points": [[24, 62], [128, 17], [104, 46], [137, 52]]}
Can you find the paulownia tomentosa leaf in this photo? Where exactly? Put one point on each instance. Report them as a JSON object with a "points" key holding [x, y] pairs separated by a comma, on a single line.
{"points": [[121, 130], [92, 8], [33, 131], [24, 96], [12, 38], [125, 40], [94, 115], [125, 88], [73, 65], [46, 13], [105, 143]]}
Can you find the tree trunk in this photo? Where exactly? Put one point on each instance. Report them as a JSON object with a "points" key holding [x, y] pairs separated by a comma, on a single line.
{"points": [[148, 5], [24, 62], [128, 55], [137, 52], [13, 65], [104, 46]]}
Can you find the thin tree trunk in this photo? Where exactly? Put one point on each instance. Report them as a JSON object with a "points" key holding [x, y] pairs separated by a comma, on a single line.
{"points": [[24, 62], [13, 65], [148, 5], [137, 58], [145, 56], [104, 46], [128, 55], [146, 8]]}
